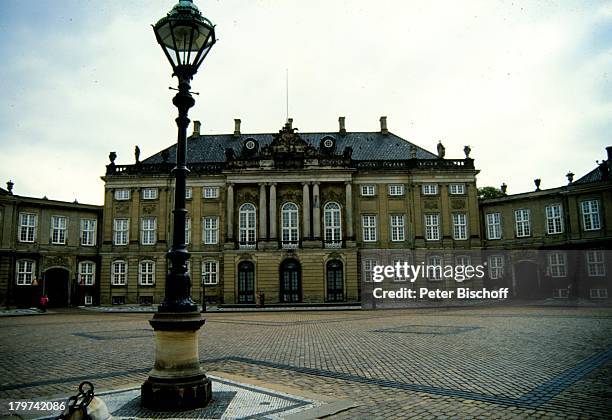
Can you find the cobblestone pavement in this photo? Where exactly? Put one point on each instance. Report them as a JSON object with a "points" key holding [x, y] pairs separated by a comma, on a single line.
{"points": [[501, 362]]}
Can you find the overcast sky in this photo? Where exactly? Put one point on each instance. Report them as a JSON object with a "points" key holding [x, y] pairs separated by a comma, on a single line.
{"points": [[526, 84]]}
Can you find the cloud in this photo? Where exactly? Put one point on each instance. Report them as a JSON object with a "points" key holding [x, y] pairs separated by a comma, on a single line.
{"points": [[523, 83]]}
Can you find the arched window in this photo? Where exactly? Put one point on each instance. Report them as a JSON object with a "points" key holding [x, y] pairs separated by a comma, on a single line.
{"points": [[290, 232], [333, 225], [146, 273], [247, 226]]}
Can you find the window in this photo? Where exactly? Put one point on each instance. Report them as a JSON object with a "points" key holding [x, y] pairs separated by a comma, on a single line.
{"points": [[333, 225], [25, 272], [58, 230], [120, 231], [457, 189], [394, 263], [560, 293], [599, 293], [88, 232], [460, 226], [554, 221], [434, 267], [27, 227], [118, 273], [368, 190], [290, 229], [148, 234], [210, 226], [210, 192], [121, 195], [187, 230], [88, 300], [188, 193], [523, 225], [149, 193], [87, 273], [595, 263], [463, 260], [210, 272], [397, 228], [396, 189], [557, 264], [494, 226], [247, 226], [590, 215], [118, 300], [430, 189], [368, 222], [496, 266], [146, 273], [432, 227], [146, 300], [368, 269]]}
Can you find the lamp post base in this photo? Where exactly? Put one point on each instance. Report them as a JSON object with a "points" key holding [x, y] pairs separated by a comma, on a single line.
{"points": [[177, 382]]}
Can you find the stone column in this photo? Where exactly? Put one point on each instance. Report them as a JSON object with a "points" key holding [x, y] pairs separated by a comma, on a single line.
{"points": [[273, 221], [348, 217], [316, 211], [230, 212], [263, 212], [306, 210]]}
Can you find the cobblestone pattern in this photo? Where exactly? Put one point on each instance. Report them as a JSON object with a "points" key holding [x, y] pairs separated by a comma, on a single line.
{"points": [[504, 362]]}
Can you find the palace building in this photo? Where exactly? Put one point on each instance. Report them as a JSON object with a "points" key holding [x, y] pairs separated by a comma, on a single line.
{"points": [[299, 217]]}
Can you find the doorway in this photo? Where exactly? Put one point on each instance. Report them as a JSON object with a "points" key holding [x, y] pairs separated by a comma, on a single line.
{"points": [[290, 281]]}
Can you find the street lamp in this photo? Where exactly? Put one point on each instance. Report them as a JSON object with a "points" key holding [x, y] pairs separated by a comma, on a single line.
{"points": [[177, 382]]}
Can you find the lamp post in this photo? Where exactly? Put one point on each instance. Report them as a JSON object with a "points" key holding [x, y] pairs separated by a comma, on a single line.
{"points": [[177, 382]]}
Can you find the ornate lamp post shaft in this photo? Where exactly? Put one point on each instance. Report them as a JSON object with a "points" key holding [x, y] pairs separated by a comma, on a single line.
{"points": [[177, 382]]}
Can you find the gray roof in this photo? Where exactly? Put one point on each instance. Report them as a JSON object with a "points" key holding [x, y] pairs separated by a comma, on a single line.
{"points": [[366, 146], [596, 174]]}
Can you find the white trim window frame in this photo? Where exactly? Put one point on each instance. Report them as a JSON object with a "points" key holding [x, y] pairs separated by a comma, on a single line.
{"points": [[368, 269], [247, 225], [394, 262], [332, 223], [119, 270], [432, 227], [188, 193], [557, 264], [59, 225], [210, 230], [590, 215], [88, 232], [368, 223], [595, 263], [24, 272], [562, 293], [496, 267], [187, 230], [210, 272], [87, 273], [146, 273], [210, 192], [121, 231], [27, 227], [148, 231], [598, 293], [368, 190], [122, 194], [396, 190], [397, 222], [522, 223], [434, 268], [429, 189], [554, 219], [290, 225], [88, 299], [460, 227], [149, 193], [457, 189], [494, 227]]}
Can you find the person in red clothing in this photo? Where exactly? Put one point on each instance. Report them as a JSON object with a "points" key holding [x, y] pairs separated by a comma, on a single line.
{"points": [[44, 300]]}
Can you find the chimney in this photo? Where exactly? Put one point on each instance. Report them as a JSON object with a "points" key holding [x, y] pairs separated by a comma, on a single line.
{"points": [[570, 177], [341, 124], [537, 183], [504, 188], [609, 150], [236, 126], [196, 128], [383, 125], [9, 187]]}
